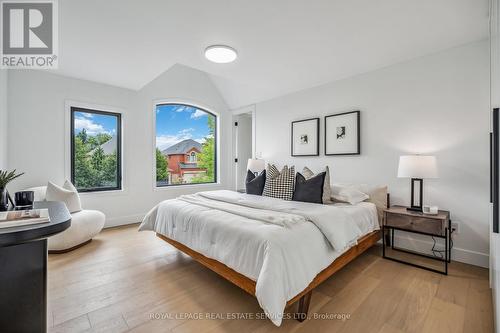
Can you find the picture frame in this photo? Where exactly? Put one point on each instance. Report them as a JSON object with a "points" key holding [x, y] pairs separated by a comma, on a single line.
{"points": [[305, 137], [342, 134]]}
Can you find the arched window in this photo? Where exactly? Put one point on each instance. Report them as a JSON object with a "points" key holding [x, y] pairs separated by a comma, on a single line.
{"points": [[185, 134]]}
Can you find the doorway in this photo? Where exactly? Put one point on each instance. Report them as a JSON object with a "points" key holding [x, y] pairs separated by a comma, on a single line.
{"points": [[243, 143]]}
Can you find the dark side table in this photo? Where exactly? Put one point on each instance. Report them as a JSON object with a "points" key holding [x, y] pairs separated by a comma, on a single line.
{"points": [[23, 271], [439, 225]]}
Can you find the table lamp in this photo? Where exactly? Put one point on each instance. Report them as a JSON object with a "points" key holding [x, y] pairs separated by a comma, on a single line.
{"points": [[417, 167], [256, 165]]}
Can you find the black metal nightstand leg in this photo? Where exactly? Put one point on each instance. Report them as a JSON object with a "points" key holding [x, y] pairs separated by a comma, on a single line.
{"points": [[446, 250], [387, 239], [383, 241], [392, 239], [449, 241]]}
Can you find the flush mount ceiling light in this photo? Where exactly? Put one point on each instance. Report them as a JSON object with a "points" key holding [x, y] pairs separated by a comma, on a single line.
{"points": [[220, 54]]}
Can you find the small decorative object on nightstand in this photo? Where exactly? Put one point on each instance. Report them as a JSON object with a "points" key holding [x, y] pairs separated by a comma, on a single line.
{"points": [[399, 218]]}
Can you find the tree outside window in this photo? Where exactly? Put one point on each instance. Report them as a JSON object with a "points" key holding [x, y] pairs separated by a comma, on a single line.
{"points": [[95, 150]]}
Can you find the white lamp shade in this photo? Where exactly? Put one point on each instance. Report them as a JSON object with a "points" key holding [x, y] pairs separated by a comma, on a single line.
{"points": [[417, 166], [256, 165]]}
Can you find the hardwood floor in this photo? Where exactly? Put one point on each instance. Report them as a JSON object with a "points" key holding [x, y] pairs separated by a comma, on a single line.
{"points": [[126, 280]]}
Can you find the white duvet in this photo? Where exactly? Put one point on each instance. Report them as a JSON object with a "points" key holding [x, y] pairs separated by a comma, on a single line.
{"points": [[282, 245]]}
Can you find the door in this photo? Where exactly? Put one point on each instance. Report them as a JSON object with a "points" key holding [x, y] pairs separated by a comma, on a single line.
{"points": [[243, 130], [495, 151]]}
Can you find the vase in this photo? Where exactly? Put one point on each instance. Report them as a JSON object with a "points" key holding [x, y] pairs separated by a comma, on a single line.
{"points": [[4, 200]]}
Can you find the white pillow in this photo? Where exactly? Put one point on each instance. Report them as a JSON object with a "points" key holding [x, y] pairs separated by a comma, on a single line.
{"points": [[39, 192], [70, 187], [377, 194], [67, 194], [348, 194]]}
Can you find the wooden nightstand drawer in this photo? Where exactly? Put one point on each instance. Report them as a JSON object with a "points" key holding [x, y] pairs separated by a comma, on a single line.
{"points": [[415, 223]]}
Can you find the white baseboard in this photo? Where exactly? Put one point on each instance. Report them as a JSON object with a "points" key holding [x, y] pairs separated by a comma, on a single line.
{"points": [[123, 220], [457, 254]]}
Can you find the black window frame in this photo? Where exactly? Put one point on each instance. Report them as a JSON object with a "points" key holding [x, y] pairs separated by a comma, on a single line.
{"points": [[216, 144], [118, 116]]}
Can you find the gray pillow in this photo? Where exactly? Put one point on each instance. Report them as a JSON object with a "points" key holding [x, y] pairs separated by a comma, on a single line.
{"points": [[309, 190], [327, 190], [255, 184]]}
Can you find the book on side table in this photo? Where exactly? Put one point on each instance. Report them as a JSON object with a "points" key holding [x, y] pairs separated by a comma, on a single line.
{"points": [[17, 218]]}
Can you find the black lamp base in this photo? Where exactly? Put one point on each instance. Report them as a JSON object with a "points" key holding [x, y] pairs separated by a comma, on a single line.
{"points": [[416, 206]]}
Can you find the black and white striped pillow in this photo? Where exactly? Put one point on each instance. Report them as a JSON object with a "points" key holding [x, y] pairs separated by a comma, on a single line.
{"points": [[279, 184]]}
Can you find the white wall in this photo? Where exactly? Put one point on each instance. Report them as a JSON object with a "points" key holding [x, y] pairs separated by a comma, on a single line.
{"points": [[3, 118], [38, 121], [434, 105]]}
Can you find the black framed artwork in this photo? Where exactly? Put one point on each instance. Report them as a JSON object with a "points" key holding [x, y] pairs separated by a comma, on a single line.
{"points": [[342, 134], [305, 137]]}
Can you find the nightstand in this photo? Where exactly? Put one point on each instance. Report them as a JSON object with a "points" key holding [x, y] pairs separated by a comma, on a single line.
{"points": [[439, 225]]}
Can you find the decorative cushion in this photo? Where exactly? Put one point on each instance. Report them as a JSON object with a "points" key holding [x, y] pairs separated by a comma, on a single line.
{"points": [[67, 194], [279, 184], [69, 186], [255, 184], [377, 195], [309, 190], [39, 192], [348, 194], [327, 190]]}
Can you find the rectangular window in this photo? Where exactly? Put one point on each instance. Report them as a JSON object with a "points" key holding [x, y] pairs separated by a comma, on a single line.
{"points": [[186, 145], [95, 150]]}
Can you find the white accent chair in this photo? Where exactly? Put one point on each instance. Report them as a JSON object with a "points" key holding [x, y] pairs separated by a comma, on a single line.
{"points": [[85, 224]]}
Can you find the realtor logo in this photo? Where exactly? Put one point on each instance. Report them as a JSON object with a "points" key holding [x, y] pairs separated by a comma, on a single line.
{"points": [[29, 34]]}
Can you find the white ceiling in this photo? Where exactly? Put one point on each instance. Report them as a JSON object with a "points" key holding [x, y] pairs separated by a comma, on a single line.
{"points": [[283, 45]]}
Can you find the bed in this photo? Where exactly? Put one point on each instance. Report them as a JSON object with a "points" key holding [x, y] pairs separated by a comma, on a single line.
{"points": [[276, 250]]}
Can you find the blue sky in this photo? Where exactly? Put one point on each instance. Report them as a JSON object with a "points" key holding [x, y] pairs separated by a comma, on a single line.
{"points": [[175, 123], [95, 123]]}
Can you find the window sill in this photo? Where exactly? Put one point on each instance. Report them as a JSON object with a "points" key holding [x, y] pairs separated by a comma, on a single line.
{"points": [[101, 193], [186, 186]]}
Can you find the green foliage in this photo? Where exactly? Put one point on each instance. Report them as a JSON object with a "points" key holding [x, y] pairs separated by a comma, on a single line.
{"points": [[98, 140], [82, 136], [93, 168], [161, 166], [109, 168], [8, 176], [97, 158], [206, 159], [93, 141], [102, 138]]}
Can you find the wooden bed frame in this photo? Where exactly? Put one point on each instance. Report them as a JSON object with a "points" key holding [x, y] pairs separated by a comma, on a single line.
{"points": [[303, 297]]}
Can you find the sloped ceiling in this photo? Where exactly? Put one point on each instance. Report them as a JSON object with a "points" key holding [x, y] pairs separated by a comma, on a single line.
{"points": [[283, 45]]}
